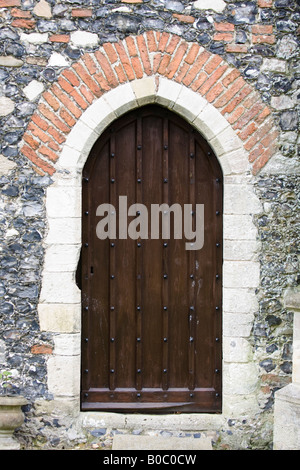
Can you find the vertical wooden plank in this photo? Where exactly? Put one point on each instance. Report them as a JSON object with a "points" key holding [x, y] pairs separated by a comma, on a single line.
{"points": [[165, 256], [139, 259], [191, 263], [112, 267]]}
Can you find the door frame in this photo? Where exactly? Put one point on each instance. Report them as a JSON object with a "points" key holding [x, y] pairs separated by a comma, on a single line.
{"points": [[60, 299]]}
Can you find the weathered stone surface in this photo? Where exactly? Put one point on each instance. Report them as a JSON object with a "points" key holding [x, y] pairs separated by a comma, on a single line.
{"points": [[6, 106]]}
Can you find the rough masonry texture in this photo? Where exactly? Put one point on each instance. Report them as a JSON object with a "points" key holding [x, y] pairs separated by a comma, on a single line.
{"points": [[57, 59]]}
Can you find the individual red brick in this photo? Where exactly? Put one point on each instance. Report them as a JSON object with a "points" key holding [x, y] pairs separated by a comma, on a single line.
{"points": [[132, 50], [265, 3], [192, 54], [70, 75], [64, 38], [89, 63], [10, 3], [236, 48], [29, 153], [48, 153], [164, 64], [263, 39], [212, 64], [262, 116], [131, 1], [120, 73], [176, 60], [142, 46], [224, 27], [151, 41], [67, 117], [82, 13], [226, 37], [22, 23], [214, 92], [41, 349], [156, 61], [51, 100], [163, 41], [230, 77], [41, 123], [17, 13], [53, 145], [137, 67], [262, 29], [106, 68], [184, 18], [110, 52]]}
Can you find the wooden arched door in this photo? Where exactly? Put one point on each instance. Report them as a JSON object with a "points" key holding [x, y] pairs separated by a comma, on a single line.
{"points": [[151, 308]]}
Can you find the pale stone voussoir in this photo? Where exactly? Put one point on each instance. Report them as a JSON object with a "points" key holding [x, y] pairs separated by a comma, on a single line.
{"points": [[60, 318]]}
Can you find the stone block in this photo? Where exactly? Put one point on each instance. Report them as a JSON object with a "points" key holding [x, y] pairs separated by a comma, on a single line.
{"points": [[67, 344], [241, 250], [241, 274], [210, 122], [61, 258], [60, 318], [237, 300], [33, 90], [63, 201], [240, 378], [61, 378], [6, 165], [98, 116], [64, 231], [239, 227], [237, 325], [236, 349], [6, 106], [240, 199], [287, 418], [84, 39], [215, 5], [167, 92], [121, 99], [188, 104], [59, 288], [144, 90]]}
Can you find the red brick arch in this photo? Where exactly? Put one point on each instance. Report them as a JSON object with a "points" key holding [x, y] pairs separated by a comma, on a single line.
{"points": [[135, 57]]}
